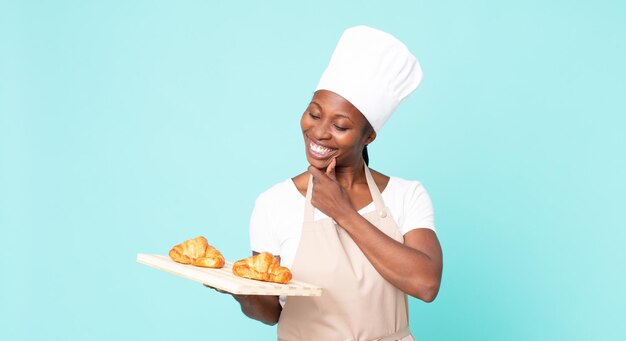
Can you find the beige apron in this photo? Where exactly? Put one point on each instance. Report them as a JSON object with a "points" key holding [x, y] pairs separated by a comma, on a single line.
{"points": [[357, 303]]}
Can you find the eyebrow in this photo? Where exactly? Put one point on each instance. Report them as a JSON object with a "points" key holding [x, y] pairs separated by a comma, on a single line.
{"points": [[340, 115]]}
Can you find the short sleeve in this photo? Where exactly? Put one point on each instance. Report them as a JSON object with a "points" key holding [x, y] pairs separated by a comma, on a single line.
{"points": [[262, 237], [418, 209]]}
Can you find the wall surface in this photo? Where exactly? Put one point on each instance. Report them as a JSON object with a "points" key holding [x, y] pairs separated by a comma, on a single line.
{"points": [[128, 126]]}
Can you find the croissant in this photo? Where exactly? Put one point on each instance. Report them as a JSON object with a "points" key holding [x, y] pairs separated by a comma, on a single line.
{"points": [[262, 267], [197, 252]]}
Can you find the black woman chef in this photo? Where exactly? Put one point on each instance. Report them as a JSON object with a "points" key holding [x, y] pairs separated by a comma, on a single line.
{"points": [[366, 238]]}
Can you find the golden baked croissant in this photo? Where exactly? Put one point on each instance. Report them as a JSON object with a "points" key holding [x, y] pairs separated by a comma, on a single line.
{"points": [[197, 252], [262, 267]]}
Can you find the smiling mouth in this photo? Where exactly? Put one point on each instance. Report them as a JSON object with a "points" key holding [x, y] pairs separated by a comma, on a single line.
{"points": [[320, 152]]}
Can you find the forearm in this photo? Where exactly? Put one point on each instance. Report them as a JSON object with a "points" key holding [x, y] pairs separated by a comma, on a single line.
{"points": [[266, 309], [408, 268]]}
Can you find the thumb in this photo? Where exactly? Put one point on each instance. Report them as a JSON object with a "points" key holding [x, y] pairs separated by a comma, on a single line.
{"points": [[330, 170]]}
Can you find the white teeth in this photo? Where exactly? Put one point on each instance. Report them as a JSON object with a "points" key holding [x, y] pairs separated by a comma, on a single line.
{"points": [[319, 149]]}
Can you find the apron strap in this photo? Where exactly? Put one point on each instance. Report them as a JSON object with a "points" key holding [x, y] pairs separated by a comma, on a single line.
{"points": [[308, 208], [374, 191]]}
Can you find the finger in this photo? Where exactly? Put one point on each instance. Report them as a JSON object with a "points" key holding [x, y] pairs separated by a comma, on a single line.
{"points": [[330, 170]]}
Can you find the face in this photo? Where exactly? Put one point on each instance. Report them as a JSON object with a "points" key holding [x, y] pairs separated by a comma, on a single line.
{"points": [[334, 128]]}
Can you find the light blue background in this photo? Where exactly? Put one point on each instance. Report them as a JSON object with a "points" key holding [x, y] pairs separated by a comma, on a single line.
{"points": [[128, 126]]}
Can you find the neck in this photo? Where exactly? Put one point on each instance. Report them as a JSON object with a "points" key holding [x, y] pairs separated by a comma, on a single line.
{"points": [[348, 176]]}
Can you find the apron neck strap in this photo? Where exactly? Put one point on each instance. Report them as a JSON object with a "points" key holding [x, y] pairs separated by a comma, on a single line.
{"points": [[376, 196], [374, 191], [308, 208]]}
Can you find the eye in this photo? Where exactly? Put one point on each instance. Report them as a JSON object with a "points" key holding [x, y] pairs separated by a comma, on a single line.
{"points": [[340, 128], [314, 116]]}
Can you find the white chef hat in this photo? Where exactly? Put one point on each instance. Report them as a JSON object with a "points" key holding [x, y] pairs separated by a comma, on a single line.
{"points": [[372, 70]]}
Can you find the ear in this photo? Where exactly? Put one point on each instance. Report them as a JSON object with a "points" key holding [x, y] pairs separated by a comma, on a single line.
{"points": [[371, 136]]}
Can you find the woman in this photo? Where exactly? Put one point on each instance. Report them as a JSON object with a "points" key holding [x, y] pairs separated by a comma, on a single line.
{"points": [[367, 250]]}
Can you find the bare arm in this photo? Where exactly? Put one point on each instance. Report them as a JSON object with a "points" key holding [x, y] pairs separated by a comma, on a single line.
{"points": [[414, 267]]}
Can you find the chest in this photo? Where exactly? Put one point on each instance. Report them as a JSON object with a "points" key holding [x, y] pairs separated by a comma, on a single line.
{"points": [[359, 197], [287, 226]]}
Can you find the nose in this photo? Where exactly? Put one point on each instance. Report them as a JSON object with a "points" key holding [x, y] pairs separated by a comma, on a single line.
{"points": [[321, 131]]}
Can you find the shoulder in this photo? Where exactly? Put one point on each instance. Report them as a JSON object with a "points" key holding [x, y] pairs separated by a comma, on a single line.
{"points": [[397, 186], [406, 190], [279, 195], [278, 190], [411, 202], [404, 184]]}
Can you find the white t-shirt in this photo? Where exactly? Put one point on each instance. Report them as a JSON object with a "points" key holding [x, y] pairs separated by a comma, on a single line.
{"points": [[278, 214]]}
